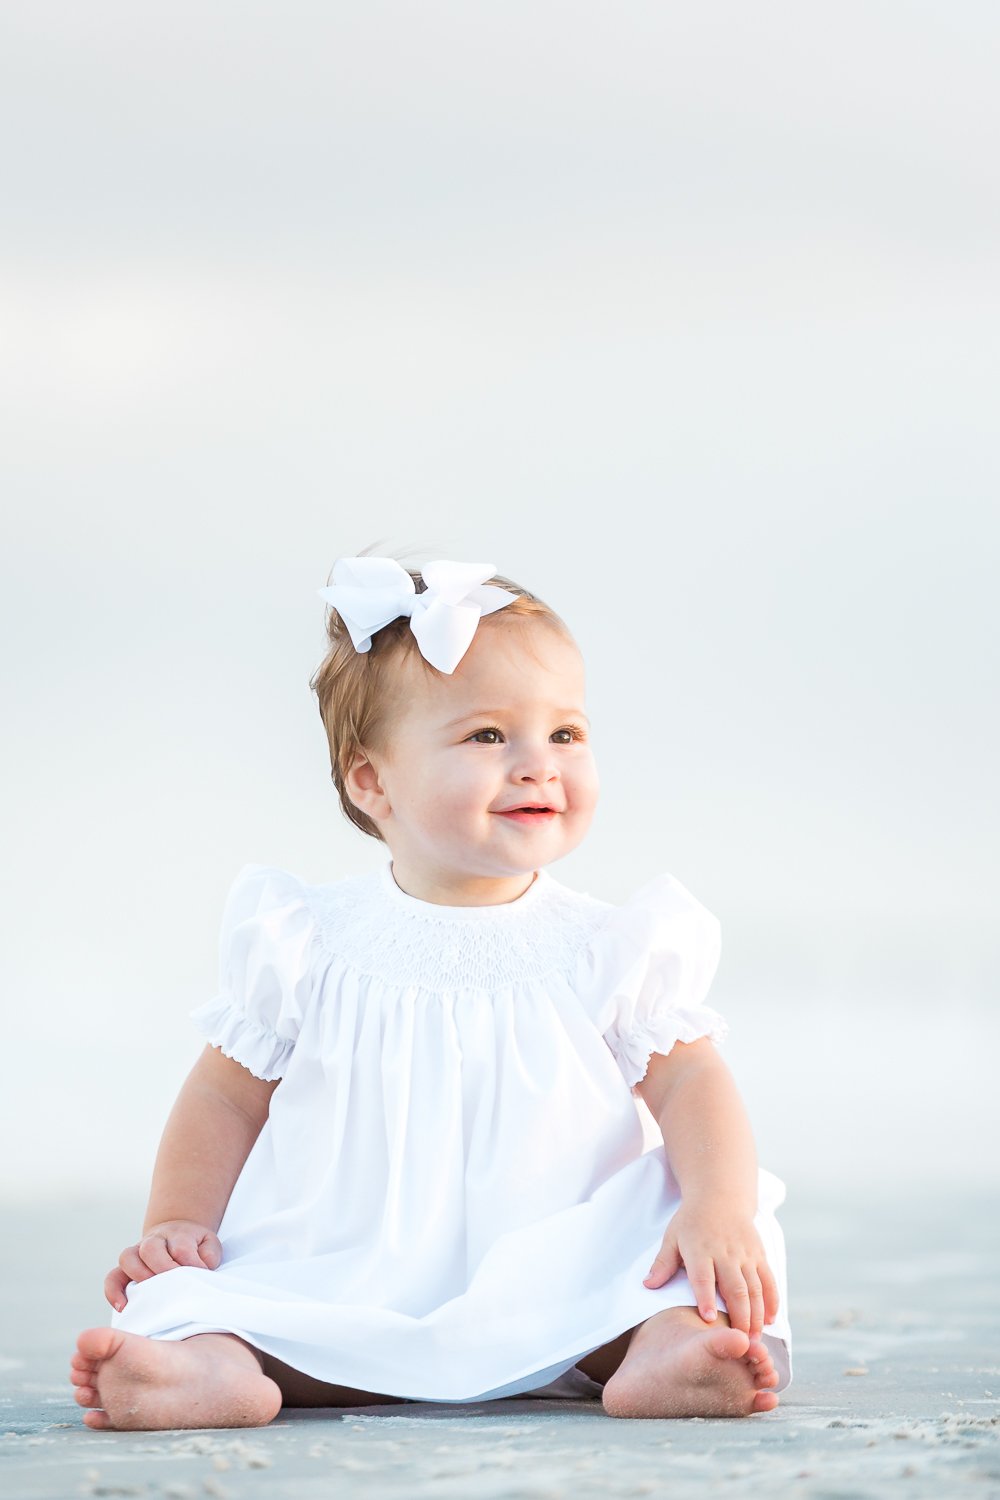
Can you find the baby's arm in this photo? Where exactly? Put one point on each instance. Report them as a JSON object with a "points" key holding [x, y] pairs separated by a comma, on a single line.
{"points": [[710, 1146], [218, 1115]]}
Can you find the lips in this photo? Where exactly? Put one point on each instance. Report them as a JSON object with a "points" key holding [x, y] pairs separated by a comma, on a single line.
{"points": [[529, 814]]}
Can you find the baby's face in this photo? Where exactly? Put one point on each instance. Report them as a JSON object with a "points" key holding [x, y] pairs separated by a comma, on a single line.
{"points": [[506, 731]]}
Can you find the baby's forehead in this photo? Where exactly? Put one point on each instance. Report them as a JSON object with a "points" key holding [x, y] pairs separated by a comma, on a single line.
{"points": [[503, 671]]}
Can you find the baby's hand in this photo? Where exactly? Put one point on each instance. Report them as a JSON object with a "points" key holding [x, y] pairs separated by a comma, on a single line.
{"points": [[164, 1247], [717, 1247]]}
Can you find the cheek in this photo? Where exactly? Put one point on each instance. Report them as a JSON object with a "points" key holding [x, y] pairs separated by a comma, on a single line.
{"points": [[455, 787], [586, 784], [469, 783]]}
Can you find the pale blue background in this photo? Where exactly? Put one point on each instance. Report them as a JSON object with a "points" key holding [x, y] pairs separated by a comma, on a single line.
{"points": [[686, 317]]}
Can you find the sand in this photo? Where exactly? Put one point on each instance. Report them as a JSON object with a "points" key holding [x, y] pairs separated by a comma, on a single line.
{"points": [[896, 1312]]}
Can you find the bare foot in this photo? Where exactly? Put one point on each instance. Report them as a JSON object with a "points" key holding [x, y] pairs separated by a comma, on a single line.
{"points": [[679, 1366], [209, 1380]]}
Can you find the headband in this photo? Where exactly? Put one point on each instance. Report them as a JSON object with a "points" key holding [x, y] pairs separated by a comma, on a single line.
{"points": [[369, 592]]}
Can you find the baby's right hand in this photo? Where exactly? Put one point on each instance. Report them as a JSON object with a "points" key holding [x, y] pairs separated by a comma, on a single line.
{"points": [[163, 1247]]}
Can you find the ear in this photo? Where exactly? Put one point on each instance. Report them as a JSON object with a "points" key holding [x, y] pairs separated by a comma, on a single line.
{"points": [[365, 789]]}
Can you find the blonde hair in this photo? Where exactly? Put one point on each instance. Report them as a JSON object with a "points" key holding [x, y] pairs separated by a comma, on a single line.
{"points": [[355, 689]]}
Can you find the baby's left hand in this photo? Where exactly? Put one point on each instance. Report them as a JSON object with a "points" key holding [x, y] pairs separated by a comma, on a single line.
{"points": [[717, 1247]]}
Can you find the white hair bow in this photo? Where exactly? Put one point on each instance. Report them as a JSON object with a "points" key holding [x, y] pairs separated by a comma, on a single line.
{"points": [[369, 592]]}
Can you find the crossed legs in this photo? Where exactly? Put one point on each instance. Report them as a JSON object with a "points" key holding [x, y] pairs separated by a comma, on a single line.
{"points": [[672, 1365]]}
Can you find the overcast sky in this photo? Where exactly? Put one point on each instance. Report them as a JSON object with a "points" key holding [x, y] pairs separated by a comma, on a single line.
{"points": [[684, 316]]}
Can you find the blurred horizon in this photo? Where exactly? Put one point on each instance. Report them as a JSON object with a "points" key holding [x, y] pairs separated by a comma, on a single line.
{"points": [[685, 318]]}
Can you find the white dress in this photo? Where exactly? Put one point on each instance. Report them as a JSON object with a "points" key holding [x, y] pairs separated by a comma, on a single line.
{"points": [[456, 1195]]}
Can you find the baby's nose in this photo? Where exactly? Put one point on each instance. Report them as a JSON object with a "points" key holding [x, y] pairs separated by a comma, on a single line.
{"points": [[539, 768]]}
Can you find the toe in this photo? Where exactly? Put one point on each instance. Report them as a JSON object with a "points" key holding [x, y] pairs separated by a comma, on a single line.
{"points": [[95, 1344], [764, 1401], [727, 1343], [759, 1362], [86, 1395], [98, 1419]]}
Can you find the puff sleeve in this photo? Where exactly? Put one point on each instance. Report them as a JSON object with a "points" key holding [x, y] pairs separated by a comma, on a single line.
{"points": [[649, 970], [266, 964]]}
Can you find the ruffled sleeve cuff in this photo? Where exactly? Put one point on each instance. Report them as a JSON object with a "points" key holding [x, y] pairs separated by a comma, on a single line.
{"points": [[633, 1050], [257, 1047], [268, 954], [645, 975]]}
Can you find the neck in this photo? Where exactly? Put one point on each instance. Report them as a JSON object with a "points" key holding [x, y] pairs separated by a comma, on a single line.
{"points": [[442, 889]]}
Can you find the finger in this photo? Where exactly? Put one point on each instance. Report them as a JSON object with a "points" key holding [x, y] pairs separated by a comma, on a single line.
{"points": [[756, 1292], [189, 1248], [770, 1288], [210, 1247], [114, 1288], [701, 1274], [666, 1264], [154, 1253], [184, 1248], [133, 1265], [735, 1295]]}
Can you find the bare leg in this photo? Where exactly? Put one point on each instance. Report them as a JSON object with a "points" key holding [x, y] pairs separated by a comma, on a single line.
{"points": [[298, 1389], [209, 1380], [600, 1364], [679, 1366]]}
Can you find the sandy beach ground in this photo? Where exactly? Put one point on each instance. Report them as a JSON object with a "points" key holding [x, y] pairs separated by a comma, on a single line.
{"points": [[896, 1311]]}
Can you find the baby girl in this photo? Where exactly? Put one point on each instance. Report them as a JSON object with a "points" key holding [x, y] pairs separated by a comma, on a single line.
{"points": [[459, 1131]]}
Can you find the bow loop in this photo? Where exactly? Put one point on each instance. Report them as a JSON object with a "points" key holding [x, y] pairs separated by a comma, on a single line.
{"points": [[369, 592], [452, 581]]}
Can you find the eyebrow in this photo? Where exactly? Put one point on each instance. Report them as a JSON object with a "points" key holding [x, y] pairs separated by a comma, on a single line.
{"points": [[497, 713]]}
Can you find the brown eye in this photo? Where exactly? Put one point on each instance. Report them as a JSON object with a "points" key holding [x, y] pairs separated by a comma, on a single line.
{"points": [[491, 729]]}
